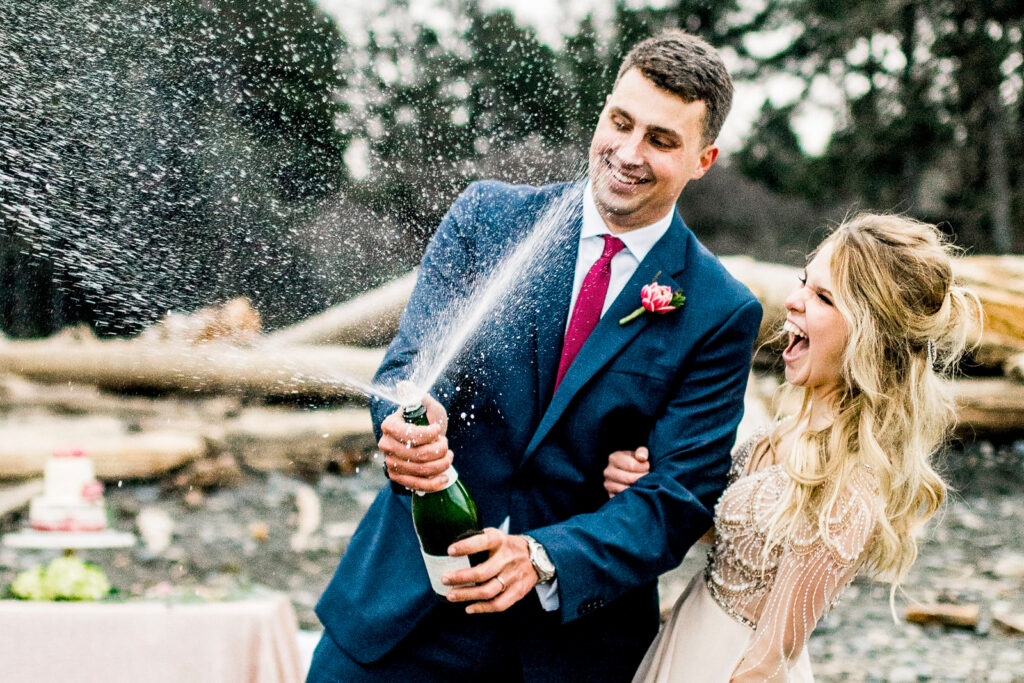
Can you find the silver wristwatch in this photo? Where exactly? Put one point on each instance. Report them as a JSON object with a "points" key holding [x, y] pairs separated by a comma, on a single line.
{"points": [[542, 564]]}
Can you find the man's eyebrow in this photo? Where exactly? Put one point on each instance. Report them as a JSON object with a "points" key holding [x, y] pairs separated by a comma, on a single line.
{"points": [[664, 131], [659, 130], [621, 112]]}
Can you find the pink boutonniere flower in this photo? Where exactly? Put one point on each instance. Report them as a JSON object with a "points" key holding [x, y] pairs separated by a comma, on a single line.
{"points": [[656, 299]]}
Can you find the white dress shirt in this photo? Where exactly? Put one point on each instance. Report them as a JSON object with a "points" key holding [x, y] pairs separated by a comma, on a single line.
{"points": [[638, 242]]}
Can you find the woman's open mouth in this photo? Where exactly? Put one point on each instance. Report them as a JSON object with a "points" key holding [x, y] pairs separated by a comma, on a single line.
{"points": [[798, 342]]}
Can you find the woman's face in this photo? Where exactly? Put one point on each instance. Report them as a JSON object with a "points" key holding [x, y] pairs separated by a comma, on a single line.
{"points": [[817, 332]]}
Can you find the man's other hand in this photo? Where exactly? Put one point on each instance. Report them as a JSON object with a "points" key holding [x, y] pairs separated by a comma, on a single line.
{"points": [[497, 583]]}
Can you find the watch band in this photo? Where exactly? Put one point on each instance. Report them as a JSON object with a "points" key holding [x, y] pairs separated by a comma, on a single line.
{"points": [[540, 560]]}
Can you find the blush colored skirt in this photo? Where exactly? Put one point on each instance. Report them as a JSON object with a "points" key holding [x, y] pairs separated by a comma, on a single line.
{"points": [[703, 644]]}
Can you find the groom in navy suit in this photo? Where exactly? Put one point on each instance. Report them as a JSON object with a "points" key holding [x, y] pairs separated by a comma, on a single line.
{"points": [[569, 589]]}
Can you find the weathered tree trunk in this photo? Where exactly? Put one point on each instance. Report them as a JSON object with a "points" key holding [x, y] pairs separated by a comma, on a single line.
{"points": [[964, 616], [370, 319], [998, 173], [267, 439], [984, 406], [18, 394], [18, 495], [989, 406], [25, 445], [215, 367], [1014, 368]]}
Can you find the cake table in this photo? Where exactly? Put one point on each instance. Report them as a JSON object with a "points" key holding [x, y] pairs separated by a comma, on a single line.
{"points": [[69, 540]]}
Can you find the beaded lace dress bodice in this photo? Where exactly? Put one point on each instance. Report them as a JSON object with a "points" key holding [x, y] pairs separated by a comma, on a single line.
{"points": [[783, 597]]}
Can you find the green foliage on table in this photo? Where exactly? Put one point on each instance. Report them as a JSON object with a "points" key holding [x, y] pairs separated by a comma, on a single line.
{"points": [[64, 578]]}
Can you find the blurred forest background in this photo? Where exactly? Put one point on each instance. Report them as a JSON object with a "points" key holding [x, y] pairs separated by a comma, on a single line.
{"points": [[158, 156]]}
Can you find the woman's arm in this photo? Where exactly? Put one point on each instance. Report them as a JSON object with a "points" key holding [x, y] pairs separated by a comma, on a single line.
{"points": [[624, 469], [811, 574]]}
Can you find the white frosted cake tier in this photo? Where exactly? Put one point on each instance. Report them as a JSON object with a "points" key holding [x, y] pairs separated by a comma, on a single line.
{"points": [[66, 476], [45, 514]]}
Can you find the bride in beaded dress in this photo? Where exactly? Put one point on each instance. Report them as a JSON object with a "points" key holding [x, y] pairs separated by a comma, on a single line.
{"points": [[840, 486]]}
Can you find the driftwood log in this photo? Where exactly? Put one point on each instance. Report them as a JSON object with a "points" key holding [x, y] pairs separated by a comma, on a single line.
{"points": [[989, 406], [984, 406], [214, 367], [268, 439], [771, 283], [306, 442], [264, 439], [18, 495], [370, 319], [18, 394], [25, 444], [1014, 367], [963, 616]]}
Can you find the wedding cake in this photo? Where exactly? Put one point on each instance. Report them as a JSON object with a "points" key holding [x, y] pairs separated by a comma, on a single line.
{"points": [[72, 498]]}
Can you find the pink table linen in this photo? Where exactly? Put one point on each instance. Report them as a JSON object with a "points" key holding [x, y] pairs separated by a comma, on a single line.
{"points": [[244, 641]]}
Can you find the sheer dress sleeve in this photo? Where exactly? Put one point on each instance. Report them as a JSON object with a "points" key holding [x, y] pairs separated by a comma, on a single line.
{"points": [[741, 454], [812, 573]]}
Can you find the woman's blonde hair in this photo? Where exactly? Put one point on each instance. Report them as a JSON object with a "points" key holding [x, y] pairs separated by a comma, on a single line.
{"points": [[892, 280]]}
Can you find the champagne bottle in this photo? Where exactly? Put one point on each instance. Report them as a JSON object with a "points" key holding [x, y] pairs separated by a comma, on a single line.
{"points": [[441, 517]]}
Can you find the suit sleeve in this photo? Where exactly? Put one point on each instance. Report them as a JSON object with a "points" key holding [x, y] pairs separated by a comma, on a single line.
{"points": [[444, 272], [647, 529]]}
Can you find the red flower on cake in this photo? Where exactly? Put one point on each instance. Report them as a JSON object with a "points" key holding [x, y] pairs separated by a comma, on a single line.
{"points": [[92, 491]]}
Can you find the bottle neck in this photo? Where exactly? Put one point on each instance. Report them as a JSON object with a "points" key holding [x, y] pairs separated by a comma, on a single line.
{"points": [[415, 414], [453, 477]]}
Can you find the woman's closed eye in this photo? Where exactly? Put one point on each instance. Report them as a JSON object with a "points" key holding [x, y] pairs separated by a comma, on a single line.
{"points": [[821, 295]]}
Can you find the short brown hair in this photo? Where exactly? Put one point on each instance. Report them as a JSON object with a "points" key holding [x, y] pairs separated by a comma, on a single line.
{"points": [[688, 67]]}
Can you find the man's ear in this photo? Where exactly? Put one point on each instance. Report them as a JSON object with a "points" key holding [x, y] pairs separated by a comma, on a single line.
{"points": [[707, 158]]}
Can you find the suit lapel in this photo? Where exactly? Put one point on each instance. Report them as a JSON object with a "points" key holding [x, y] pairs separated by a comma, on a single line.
{"points": [[551, 311], [608, 338]]}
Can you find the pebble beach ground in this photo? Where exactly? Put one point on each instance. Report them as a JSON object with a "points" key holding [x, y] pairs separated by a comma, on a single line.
{"points": [[973, 554]]}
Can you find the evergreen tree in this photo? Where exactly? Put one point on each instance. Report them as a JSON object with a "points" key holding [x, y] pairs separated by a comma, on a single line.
{"points": [[932, 117]]}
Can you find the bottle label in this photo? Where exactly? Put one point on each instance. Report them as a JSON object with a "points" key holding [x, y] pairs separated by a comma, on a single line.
{"points": [[439, 565], [453, 477]]}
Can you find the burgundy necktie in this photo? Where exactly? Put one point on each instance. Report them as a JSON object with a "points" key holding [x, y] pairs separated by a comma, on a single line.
{"points": [[589, 303]]}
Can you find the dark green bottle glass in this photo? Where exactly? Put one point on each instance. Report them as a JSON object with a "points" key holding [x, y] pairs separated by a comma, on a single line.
{"points": [[441, 517]]}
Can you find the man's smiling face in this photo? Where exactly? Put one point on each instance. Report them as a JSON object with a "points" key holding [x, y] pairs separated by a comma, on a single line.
{"points": [[647, 145]]}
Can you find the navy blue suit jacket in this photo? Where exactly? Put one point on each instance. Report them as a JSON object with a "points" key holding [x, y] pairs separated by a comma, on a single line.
{"points": [[673, 382]]}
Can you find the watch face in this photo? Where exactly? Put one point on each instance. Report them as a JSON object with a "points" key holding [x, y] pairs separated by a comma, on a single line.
{"points": [[541, 562]]}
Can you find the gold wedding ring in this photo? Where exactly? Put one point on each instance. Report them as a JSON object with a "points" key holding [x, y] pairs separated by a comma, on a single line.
{"points": [[502, 582]]}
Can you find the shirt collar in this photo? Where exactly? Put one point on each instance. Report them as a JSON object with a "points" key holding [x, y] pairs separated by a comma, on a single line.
{"points": [[638, 241]]}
